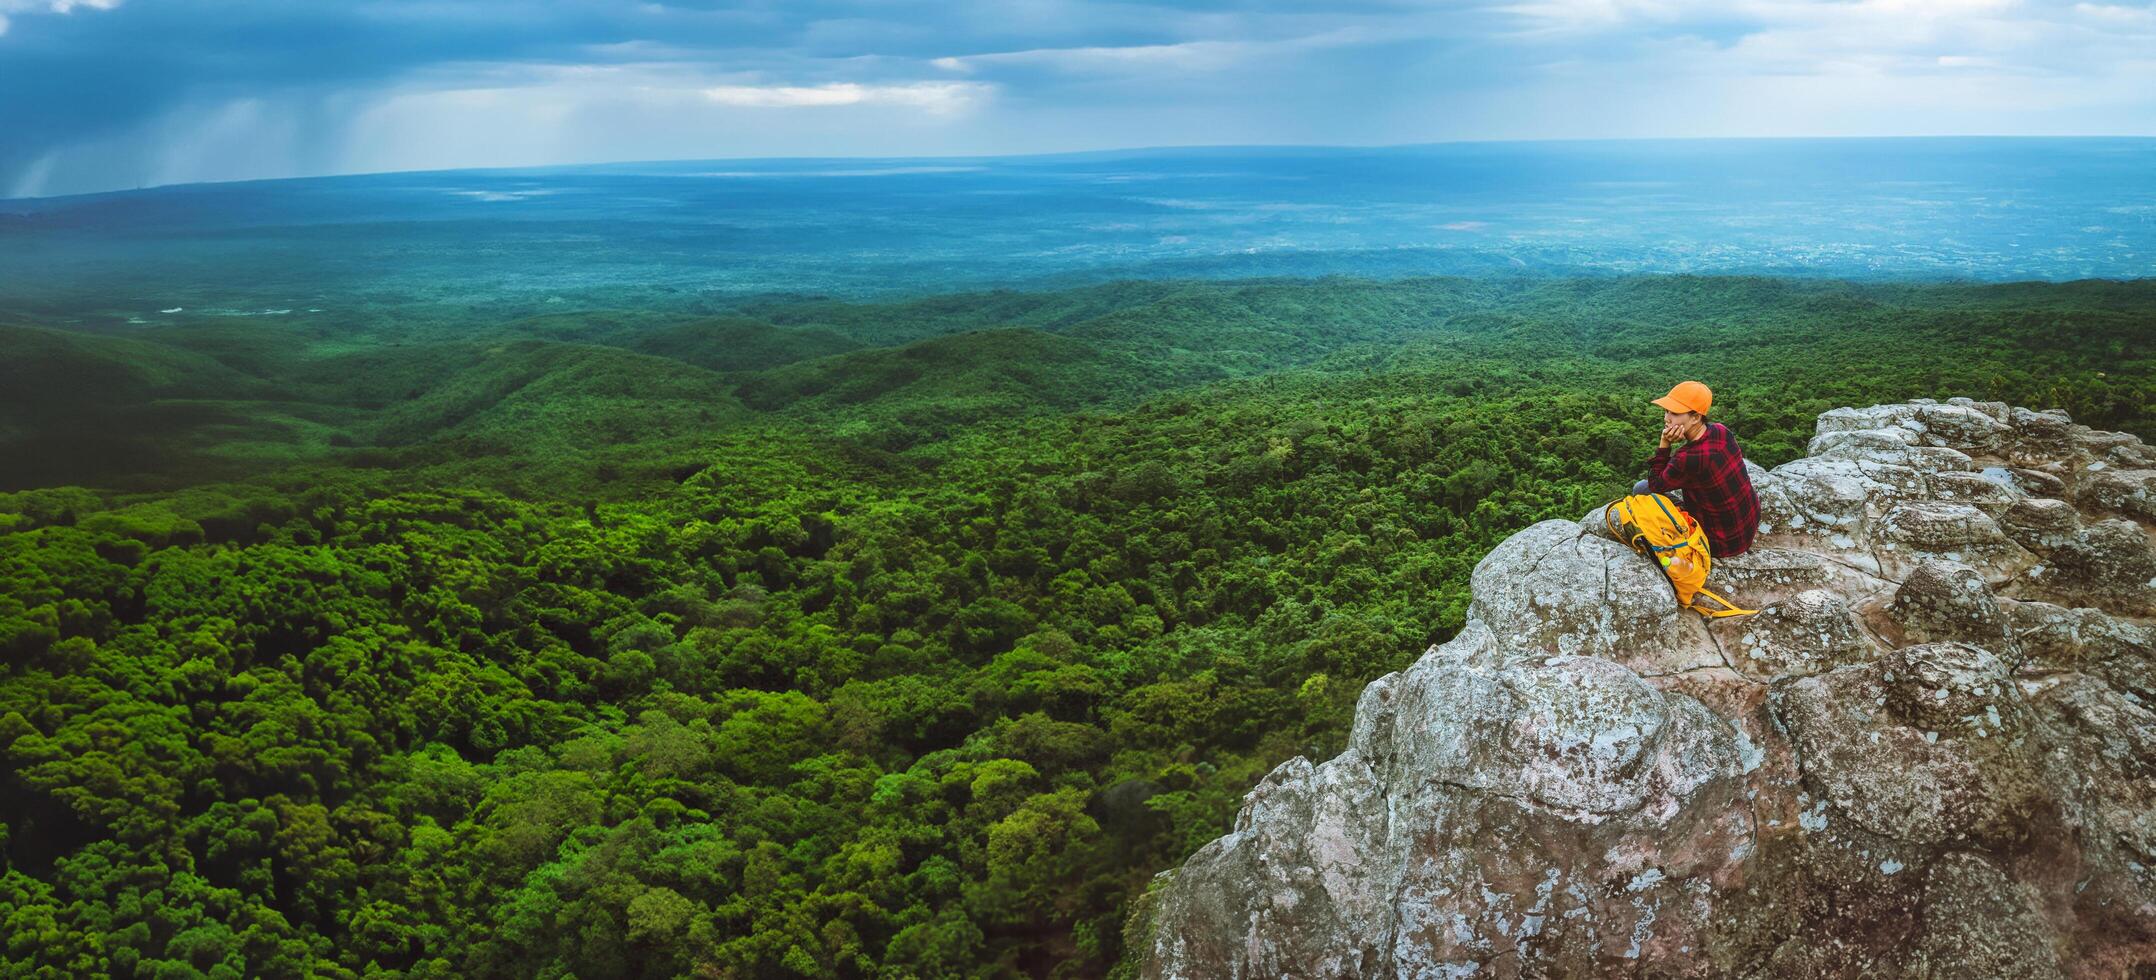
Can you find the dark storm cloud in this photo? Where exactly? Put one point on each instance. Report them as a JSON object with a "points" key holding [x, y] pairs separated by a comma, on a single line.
{"points": [[107, 94]]}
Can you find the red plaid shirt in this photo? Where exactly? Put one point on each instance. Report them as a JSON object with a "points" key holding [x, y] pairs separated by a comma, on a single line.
{"points": [[1717, 493]]}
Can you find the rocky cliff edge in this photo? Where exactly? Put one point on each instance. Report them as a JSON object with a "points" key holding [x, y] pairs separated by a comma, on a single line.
{"points": [[1931, 753]]}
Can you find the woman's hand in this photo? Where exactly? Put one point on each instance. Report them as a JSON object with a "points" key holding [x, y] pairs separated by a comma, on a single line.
{"points": [[1671, 432]]}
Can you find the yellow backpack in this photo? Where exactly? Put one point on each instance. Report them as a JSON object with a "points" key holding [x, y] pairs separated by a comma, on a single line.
{"points": [[1655, 526]]}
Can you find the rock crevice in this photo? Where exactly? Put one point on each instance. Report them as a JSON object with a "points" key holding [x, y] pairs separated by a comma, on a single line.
{"points": [[1931, 754]]}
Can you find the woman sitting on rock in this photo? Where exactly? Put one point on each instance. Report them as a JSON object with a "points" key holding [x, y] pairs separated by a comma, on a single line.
{"points": [[1708, 468]]}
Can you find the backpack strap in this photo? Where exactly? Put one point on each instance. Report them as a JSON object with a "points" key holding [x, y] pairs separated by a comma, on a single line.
{"points": [[1718, 613]]}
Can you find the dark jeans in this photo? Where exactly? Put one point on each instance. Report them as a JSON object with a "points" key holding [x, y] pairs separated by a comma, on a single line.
{"points": [[1641, 487]]}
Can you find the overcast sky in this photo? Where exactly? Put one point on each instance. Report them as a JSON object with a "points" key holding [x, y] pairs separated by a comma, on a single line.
{"points": [[99, 94]]}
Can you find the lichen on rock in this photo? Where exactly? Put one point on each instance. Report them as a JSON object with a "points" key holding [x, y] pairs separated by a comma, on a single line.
{"points": [[1931, 754]]}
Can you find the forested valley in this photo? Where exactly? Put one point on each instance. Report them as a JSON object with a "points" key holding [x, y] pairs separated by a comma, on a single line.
{"points": [[810, 637]]}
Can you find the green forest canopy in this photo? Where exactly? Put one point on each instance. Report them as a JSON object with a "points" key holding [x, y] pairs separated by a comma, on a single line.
{"points": [[812, 638]]}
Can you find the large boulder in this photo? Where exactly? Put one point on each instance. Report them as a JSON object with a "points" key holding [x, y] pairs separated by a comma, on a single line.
{"points": [[2118, 651], [2042, 525], [1945, 600], [1926, 745], [2131, 493], [2110, 565], [1911, 533], [1456, 828], [1955, 426], [1554, 588]]}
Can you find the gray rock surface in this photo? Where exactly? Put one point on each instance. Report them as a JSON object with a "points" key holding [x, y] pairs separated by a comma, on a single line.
{"points": [[1932, 753]]}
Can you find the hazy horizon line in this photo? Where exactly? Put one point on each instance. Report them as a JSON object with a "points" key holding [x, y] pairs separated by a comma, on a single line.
{"points": [[1106, 152]]}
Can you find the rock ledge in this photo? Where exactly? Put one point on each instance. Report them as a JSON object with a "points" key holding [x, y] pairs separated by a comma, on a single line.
{"points": [[1932, 753]]}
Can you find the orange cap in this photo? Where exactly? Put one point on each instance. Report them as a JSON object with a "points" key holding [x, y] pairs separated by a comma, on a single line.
{"points": [[1688, 396]]}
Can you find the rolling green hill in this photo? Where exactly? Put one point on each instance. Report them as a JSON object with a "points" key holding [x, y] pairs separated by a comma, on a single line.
{"points": [[214, 399], [78, 408], [723, 343], [894, 323], [963, 377], [533, 397], [733, 344]]}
